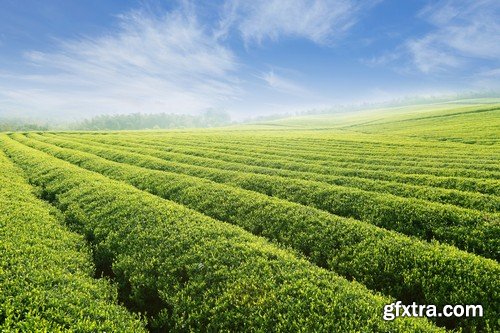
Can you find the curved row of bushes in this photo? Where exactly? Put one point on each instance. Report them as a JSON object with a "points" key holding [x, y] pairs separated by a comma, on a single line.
{"points": [[343, 153], [317, 154], [485, 186], [213, 159], [46, 271], [304, 158], [406, 268], [469, 230], [296, 159], [193, 273], [411, 151]]}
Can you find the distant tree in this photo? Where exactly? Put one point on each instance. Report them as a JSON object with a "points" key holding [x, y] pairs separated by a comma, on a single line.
{"points": [[13, 125], [135, 121], [213, 118]]}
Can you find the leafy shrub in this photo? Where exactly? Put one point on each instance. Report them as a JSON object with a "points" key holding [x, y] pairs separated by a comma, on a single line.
{"points": [[404, 267], [191, 272], [46, 282]]}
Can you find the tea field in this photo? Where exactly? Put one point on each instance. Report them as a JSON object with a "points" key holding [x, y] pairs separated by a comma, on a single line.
{"points": [[307, 224]]}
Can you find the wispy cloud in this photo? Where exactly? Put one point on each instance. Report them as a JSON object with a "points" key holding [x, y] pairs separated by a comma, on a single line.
{"points": [[152, 63], [321, 21], [383, 59], [463, 31], [428, 58], [461, 43], [283, 85]]}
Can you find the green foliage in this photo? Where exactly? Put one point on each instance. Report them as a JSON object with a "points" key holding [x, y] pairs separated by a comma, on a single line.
{"points": [[430, 172], [470, 230], [46, 282], [133, 121], [237, 160], [406, 268], [472, 122], [12, 125], [193, 273], [471, 126]]}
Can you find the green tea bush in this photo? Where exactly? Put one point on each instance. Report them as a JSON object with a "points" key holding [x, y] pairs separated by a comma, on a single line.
{"points": [[46, 272], [193, 273], [404, 267], [466, 229], [214, 159], [485, 183]]}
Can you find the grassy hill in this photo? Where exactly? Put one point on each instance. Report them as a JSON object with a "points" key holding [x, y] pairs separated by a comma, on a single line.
{"points": [[467, 121]]}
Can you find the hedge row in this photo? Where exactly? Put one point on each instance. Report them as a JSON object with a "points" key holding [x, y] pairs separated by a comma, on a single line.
{"points": [[192, 273], [46, 272], [214, 159], [394, 153], [303, 158], [408, 269], [469, 230], [269, 158], [314, 152], [485, 186]]}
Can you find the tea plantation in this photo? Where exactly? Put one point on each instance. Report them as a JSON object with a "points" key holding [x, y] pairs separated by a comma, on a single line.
{"points": [[305, 224]]}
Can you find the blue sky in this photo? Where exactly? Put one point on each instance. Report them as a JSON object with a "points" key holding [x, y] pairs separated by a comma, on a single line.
{"points": [[72, 59]]}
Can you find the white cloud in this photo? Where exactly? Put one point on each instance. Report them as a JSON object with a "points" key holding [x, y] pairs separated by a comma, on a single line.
{"points": [[495, 72], [283, 85], [321, 21], [151, 63], [383, 59], [463, 31], [428, 58], [156, 61]]}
